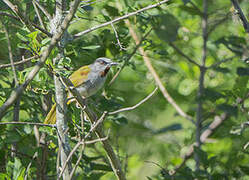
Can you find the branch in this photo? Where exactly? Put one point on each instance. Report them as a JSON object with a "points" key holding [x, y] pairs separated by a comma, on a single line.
{"points": [[38, 14], [219, 22], [113, 159], [56, 37], [22, 18], [116, 35], [241, 15], [120, 18], [155, 75], [43, 9], [130, 56], [136, 105], [9, 15], [199, 113], [218, 120], [95, 125], [220, 62], [16, 109], [183, 55], [29, 123], [10, 54], [19, 62]]}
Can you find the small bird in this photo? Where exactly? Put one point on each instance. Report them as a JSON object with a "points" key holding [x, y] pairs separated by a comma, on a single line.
{"points": [[87, 80]]}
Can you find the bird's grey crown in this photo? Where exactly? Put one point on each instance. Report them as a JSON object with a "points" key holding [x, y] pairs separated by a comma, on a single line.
{"points": [[104, 59]]}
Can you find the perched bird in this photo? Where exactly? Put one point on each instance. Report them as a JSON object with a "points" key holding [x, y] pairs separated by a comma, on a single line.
{"points": [[87, 80]]}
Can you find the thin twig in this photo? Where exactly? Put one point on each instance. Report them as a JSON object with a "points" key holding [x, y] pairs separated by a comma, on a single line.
{"points": [[10, 54], [43, 9], [241, 15], [21, 16], [183, 54], [155, 75], [136, 105], [199, 112], [113, 159], [16, 110], [117, 38], [95, 125], [19, 62], [98, 140], [29, 123], [9, 15], [69, 157], [77, 162], [42, 30], [218, 120], [220, 62], [219, 22], [38, 14], [129, 57], [120, 18], [56, 37]]}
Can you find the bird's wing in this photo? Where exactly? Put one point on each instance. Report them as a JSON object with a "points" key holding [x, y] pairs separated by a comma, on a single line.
{"points": [[80, 76]]}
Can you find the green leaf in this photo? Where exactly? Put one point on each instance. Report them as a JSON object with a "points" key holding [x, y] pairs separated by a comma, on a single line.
{"points": [[166, 27], [18, 170], [186, 1], [22, 37], [232, 110], [173, 127], [27, 129], [244, 169], [33, 35], [4, 176], [202, 155], [90, 47], [190, 10], [112, 11], [103, 167], [241, 71]]}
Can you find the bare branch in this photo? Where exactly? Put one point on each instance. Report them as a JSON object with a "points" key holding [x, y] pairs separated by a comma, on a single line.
{"points": [[113, 159], [17, 103], [98, 140], [22, 18], [9, 15], [19, 62], [183, 54], [155, 75], [199, 113], [136, 105], [10, 54], [38, 14], [130, 56], [94, 126], [116, 35], [120, 18], [219, 22], [29, 123], [241, 15], [56, 37], [69, 157], [220, 62], [43, 9], [218, 120], [77, 163]]}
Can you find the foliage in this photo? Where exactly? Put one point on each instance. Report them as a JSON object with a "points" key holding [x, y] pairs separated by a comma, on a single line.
{"points": [[153, 132]]}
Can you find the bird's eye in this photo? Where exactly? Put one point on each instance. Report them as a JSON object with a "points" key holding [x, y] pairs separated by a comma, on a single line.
{"points": [[103, 62]]}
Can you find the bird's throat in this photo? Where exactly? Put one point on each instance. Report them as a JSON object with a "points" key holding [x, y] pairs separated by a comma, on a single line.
{"points": [[104, 73]]}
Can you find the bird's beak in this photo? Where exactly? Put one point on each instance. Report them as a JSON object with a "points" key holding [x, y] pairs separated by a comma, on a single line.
{"points": [[113, 64]]}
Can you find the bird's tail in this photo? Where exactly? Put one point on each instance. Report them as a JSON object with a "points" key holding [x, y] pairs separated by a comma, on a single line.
{"points": [[51, 117]]}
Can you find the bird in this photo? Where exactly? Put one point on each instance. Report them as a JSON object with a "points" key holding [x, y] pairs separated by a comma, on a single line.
{"points": [[88, 80]]}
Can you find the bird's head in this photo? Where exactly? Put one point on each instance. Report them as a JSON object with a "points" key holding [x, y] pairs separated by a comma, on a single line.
{"points": [[103, 65]]}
